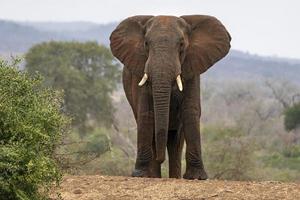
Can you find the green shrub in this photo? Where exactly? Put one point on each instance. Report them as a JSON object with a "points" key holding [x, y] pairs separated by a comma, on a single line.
{"points": [[280, 161], [228, 153], [292, 151], [31, 124], [77, 151], [94, 153], [115, 163], [292, 117]]}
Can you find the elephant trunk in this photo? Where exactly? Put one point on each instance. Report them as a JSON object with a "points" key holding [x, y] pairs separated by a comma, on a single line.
{"points": [[161, 98]]}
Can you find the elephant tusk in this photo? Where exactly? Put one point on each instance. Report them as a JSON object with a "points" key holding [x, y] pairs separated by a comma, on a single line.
{"points": [[144, 79], [179, 83]]}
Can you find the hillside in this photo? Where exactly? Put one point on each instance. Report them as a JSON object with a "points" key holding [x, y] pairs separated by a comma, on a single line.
{"points": [[81, 31], [127, 188], [18, 37], [243, 66]]}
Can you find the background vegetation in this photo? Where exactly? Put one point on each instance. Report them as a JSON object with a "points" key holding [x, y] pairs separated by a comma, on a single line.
{"points": [[244, 133], [86, 72]]}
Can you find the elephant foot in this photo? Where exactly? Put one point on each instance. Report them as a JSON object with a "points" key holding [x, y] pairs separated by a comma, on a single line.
{"points": [[155, 174], [140, 173], [155, 169], [195, 173], [178, 176]]}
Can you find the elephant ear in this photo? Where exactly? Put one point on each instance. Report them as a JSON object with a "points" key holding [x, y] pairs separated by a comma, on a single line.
{"points": [[127, 43], [209, 41]]}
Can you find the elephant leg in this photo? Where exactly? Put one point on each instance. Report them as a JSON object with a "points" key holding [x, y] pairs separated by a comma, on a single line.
{"points": [[191, 111], [144, 147], [155, 165], [194, 163], [174, 145]]}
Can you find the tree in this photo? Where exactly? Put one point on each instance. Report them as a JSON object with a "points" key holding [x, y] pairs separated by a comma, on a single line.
{"points": [[292, 117], [88, 74], [31, 124]]}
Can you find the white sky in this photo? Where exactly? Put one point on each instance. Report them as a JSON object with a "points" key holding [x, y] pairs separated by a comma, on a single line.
{"points": [[265, 27]]}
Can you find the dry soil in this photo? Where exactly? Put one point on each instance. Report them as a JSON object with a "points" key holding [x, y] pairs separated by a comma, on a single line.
{"points": [[111, 188]]}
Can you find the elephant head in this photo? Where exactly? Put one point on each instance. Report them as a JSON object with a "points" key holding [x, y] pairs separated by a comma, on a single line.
{"points": [[163, 50]]}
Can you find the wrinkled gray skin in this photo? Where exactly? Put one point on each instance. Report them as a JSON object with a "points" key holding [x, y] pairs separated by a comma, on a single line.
{"points": [[164, 47]]}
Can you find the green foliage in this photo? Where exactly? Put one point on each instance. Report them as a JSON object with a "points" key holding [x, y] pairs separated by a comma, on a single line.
{"points": [[292, 151], [88, 74], [31, 124], [277, 166], [98, 141], [292, 117], [94, 153], [280, 161], [228, 153], [77, 151], [115, 163]]}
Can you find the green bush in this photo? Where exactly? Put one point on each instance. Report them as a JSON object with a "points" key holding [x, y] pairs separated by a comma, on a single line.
{"points": [[115, 163], [228, 153], [94, 153], [31, 124], [77, 151], [280, 161], [292, 151], [292, 117]]}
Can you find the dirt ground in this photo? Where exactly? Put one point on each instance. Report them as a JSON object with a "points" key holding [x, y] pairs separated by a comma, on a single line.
{"points": [[115, 188]]}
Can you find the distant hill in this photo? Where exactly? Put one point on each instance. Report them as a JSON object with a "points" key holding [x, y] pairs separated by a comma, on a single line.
{"points": [[18, 37], [240, 65], [61, 27], [82, 31]]}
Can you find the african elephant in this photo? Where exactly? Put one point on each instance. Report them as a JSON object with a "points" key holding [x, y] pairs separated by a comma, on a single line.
{"points": [[163, 58]]}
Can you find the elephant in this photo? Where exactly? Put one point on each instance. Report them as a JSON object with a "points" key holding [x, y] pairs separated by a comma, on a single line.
{"points": [[163, 57]]}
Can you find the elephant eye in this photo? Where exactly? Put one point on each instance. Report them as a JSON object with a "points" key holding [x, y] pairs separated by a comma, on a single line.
{"points": [[146, 45], [181, 43]]}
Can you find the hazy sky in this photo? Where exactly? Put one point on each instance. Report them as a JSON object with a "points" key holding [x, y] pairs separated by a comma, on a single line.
{"points": [[265, 27]]}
